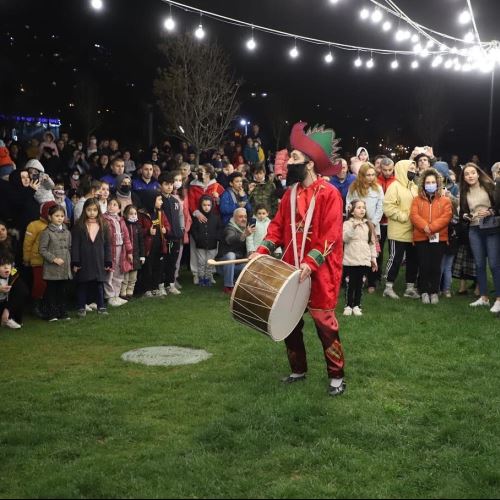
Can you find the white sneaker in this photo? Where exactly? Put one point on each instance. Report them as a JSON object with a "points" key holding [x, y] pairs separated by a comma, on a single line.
{"points": [[149, 294], [212, 280], [178, 285], [434, 299], [121, 301], [411, 293], [425, 298], [171, 289], [162, 291], [496, 307], [114, 302], [480, 302], [389, 292], [196, 279], [347, 311], [357, 311], [10, 323]]}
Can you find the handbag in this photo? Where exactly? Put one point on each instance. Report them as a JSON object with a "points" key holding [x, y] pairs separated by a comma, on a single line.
{"points": [[490, 224]]}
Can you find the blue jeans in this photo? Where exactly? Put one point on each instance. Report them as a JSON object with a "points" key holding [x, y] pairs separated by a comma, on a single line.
{"points": [[446, 276], [231, 271], [486, 247]]}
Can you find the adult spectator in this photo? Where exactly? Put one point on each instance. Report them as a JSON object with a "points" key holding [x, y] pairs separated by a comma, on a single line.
{"points": [[477, 207], [378, 164], [100, 170], [233, 246], [46, 184], [234, 197], [130, 167], [117, 168], [455, 166], [397, 205], [444, 171], [431, 213], [124, 193], [385, 179], [22, 202], [250, 154], [146, 181], [48, 142], [78, 162]]}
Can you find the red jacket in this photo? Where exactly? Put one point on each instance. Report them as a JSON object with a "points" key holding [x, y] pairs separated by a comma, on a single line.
{"points": [[437, 215], [146, 223], [125, 264], [385, 183], [197, 189]]}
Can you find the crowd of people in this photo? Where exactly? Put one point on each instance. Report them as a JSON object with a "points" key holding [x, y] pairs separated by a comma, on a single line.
{"points": [[106, 225]]}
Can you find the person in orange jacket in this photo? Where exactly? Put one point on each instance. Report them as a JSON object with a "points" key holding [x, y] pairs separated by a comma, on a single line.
{"points": [[431, 212]]}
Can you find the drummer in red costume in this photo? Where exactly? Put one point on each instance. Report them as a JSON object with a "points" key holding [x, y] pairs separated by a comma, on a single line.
{"points": [[312, 207]]}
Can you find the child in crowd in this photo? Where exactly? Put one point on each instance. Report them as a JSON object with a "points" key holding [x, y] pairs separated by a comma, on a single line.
{"points": [[137, 241], [103, 196], [360, 255], [91, 255], [155, 227], [64, 202], [205, 236], [32, 257], [171, 207], [11, 303], [121, 252], [55, 247], [262, 192], [262, 222]]}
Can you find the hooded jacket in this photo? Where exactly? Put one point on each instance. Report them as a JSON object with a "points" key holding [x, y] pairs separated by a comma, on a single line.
{"points": [[397, 204], [206, 235]]}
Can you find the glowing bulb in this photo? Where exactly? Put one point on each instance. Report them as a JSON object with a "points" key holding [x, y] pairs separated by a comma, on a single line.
{"points": [[251, 45], [415, 38], [387, 26], [417, 49], [464, 17], [415, 65], [377, 16], [469, 37], [437, 61], [334, 1], [358, 62], [169, 24], [364, 14], [430, 44], [200, 33], [97, 4], [394, 64], [448, 64], [370, 63], [424, 53], [329, 58], [294, 53]]}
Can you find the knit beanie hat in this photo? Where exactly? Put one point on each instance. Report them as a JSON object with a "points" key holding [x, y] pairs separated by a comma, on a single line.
{"points": [[44, 209], [35, 164], [443, 169]]}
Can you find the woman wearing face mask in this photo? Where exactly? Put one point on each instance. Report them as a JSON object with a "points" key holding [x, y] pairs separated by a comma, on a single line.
{"points": [[124, 193], [431, 212]]}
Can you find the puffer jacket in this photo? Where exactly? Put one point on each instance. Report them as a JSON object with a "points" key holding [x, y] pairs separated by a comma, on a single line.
{"points": [[397, 204], [31, 245], [359, 249], [436, 214]]}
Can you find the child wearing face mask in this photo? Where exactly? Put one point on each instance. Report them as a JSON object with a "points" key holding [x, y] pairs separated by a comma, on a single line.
{"points": [[121, 251], [136, 238], [360, 255], [431, 213], [55, 248]]}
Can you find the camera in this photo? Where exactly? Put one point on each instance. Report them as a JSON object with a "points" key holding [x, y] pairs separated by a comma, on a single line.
{"points": [[35, 177], [253, 221]]}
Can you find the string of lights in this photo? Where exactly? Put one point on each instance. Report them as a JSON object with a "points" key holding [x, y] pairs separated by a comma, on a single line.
{"points": [[472, 54]]}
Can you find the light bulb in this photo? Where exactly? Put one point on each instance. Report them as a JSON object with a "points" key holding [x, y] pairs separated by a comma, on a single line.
{"points": [[97, 4], [200, 33], [329, 58], [469, 37], [415, 38], [364, 14], [294, 53], [415, 65], [251, 45], [437, 61], [464, 17], [370, 63], [377, 16], [169, 24], [394, 64], [387, 26], [448, 64], [358, 62]]}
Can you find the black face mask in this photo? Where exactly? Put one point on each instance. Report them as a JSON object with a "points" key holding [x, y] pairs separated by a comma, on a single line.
{"points": [[125, 189], [296, 172], [411, 176], [200, 176]]}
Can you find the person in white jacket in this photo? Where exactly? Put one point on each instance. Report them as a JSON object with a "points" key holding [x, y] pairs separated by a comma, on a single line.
{"points": [[37, 173], [262, 222], [360, 255]]}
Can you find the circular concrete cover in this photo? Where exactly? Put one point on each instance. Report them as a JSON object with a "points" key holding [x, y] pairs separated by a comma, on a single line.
{"points": [[166, 356]]}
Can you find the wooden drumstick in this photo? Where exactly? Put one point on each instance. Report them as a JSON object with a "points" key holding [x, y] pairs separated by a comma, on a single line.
{"points": [[212, 262]]}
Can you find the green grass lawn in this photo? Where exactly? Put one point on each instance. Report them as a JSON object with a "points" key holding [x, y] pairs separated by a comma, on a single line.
{"points": [[420, 418]]}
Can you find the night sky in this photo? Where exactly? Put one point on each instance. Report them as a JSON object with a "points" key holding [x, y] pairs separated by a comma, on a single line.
{"points": [[49, 50]]}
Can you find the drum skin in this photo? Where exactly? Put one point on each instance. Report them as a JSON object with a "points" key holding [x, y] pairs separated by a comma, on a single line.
{"points": [[265, 286]]}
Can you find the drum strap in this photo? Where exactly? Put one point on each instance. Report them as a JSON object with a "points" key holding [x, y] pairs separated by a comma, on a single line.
{"points": [[307, 225]]}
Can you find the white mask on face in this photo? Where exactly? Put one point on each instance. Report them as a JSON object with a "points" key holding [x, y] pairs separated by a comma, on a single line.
{"points": [[177, 184]]}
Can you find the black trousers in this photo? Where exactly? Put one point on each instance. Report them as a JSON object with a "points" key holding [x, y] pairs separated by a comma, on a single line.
{"points": [[16, 302], [153, 269], [170, 262], [380, 258], [354, 277], [56, 298], [397, 250], [430, 256]]}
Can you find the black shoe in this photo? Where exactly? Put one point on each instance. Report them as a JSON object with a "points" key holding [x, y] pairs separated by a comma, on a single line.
{"points": [[337, 391], [291, 380]]}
